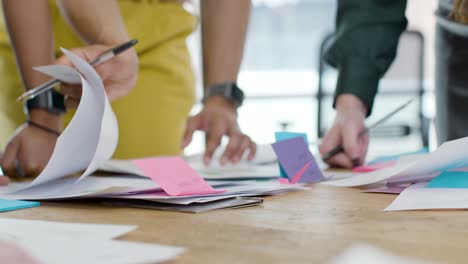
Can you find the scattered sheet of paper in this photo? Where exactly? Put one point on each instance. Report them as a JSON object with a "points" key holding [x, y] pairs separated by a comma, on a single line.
{"points": [[392, 189], [80, 243], [175, 176], [92, 132], [450, 155], [10, 205], [366, 254], [25, 229], [293, 155], [418, 197], [450, 179], [229, 203], [242, 171]]}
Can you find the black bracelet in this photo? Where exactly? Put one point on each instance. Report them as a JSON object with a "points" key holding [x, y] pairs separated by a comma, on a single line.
{"points": [[34, 124]]}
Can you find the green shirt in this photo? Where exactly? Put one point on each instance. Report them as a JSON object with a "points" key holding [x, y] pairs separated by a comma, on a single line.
{"points": [[367, 33]]}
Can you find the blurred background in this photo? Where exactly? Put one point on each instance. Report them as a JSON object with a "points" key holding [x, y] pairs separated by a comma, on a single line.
{"points": [[282, 68]]}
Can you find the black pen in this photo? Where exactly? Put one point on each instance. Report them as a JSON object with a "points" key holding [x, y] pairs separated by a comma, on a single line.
{"points": [[340, 148], [105, 56]]}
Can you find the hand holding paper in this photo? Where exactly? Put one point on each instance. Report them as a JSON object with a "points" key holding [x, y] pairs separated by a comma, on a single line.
{"points": [[119, 74]]}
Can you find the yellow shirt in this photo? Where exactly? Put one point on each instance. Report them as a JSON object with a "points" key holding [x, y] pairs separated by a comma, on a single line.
{"points": [[152, 117]]}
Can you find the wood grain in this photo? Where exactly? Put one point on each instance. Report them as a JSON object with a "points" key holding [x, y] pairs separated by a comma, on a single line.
{"points": [[303, 227]]}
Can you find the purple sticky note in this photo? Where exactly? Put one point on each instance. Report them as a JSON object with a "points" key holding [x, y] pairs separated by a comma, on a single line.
{"points": [[293, 155]]}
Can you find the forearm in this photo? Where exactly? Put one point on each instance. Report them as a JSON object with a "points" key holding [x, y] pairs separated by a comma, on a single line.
{"points": [[224, 29], [96, 22], [365, 46], [31, 34]]}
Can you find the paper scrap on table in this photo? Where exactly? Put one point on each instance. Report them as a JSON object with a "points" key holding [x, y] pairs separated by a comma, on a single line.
{"points": [[10, 205], [92, 132], [229, 203], [297, 161], [366, 254], [397, 157], [281, 136], [418, 197], [449, 155], [450, 179], [81, 243], [175, 176], [392, 189], [374, 166]]}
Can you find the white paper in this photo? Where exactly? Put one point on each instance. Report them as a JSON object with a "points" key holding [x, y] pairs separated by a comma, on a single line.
{"points": [[417, 197], [16, 229], [57, 243], [367, 254], [91, 251], [240, 171], [450, 155], [92, 135]]}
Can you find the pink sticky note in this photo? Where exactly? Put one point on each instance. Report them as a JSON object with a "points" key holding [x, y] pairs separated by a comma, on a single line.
{"points": [[174, 176], [374, 167]]}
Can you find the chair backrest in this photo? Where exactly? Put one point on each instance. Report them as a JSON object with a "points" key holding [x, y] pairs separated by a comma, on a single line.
{"points": [[404, 79]]}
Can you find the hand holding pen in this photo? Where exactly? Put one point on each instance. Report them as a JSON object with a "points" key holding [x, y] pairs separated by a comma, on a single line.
{"points": [[119, 73], [345, 145]]}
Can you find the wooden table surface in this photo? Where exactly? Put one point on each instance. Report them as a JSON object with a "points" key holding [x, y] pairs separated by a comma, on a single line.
{"points": [[302, 227]]}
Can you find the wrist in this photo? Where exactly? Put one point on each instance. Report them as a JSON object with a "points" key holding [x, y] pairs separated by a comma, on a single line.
{"points": [[219, 101], [46, 118], [348, 103]]}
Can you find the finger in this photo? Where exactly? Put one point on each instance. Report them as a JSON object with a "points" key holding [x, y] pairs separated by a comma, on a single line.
{"points": [[30, 168], [253, 150], [8, 159], [235, 141], [193, 124], [71, 102], [241, 149], [72, 90], [341, 160], [215, 135], [331, 140], [352, 146], [4, 180]]}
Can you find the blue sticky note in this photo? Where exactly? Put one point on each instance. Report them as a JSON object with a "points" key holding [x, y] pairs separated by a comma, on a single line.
{"points": [[396, 157], [281, 136], [450, 179], [10, 205], [293, 155]]}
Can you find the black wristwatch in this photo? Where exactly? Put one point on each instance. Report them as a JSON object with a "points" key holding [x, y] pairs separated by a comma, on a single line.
{"points": [[51, 101], [228, 90]]}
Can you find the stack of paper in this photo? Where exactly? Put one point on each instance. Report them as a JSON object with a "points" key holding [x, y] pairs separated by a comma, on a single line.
{"points": [[88, 143], [80, 243], [445, 169]]}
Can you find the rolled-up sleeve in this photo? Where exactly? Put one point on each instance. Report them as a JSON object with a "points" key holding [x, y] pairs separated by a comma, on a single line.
{"points": [[367, 33]]}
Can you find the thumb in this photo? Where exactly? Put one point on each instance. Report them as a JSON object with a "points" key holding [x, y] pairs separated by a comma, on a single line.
{"points": [[193, 123], [352, 146]]}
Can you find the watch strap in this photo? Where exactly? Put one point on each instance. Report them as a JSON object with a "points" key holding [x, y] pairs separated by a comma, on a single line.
{"points": [[51, 101], [228, 90]]}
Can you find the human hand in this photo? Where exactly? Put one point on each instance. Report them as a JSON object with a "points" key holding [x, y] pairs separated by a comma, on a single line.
{"points": [[14, 254], [118, 74], [218, 118], [348, 124], [30, 148]]}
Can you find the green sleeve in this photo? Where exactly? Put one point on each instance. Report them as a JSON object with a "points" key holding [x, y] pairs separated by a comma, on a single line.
{"points": [[367, 33]]}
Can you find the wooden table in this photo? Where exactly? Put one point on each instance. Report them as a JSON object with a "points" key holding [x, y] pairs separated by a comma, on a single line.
{"points": [[303, 227]]}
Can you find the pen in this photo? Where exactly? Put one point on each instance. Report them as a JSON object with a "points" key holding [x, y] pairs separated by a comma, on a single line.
{"points": [[105, 56], [340, 148]]}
